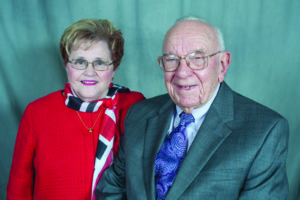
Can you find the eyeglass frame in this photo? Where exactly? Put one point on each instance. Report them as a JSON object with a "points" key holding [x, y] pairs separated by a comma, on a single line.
{"points": [[160, 60], [92, 62]]}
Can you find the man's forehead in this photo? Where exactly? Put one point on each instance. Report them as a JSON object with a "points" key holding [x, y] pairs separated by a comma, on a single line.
{"points": [[190, 36], [194, 26]]}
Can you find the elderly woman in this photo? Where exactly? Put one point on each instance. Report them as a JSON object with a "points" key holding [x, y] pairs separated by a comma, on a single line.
{"points": [[68, 138]]}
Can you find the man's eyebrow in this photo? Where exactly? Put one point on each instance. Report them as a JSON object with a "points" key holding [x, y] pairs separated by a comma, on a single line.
{"points": [[198, 51], [202, 51]]}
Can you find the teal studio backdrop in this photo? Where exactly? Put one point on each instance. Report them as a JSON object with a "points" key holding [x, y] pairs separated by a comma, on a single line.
{"points": [[262, 35]]}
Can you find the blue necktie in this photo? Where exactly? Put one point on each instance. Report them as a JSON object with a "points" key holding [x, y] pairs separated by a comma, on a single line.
{"points": [[170, 156]]}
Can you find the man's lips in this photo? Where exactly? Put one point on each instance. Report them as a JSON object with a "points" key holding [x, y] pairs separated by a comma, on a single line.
{"points": [[88, 82], [186, 87]]}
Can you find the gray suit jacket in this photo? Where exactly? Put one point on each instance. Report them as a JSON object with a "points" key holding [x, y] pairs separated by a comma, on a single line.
{"points": [[239, 153]]}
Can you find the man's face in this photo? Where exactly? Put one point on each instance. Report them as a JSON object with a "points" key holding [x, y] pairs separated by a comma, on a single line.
{"points": [[191, 89]]}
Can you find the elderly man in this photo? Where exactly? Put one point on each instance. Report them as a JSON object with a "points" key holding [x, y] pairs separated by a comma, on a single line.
{"points": [[201, 140]]}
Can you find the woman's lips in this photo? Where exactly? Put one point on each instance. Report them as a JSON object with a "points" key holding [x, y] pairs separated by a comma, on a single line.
{"points": [[88, 82]]}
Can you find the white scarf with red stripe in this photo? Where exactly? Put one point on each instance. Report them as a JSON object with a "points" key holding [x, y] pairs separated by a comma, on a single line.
{"points": [[104, 153]]}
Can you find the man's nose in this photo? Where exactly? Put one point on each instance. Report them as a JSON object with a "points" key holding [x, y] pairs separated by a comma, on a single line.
{"points": [[183, 67]]}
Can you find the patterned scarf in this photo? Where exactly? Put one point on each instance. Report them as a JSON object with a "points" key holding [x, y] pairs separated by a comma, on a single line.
{"points": [[104, 153]]}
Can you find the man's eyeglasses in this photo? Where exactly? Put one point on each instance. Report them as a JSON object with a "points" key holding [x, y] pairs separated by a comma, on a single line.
{"points": [[98, 65], [195, 60]]}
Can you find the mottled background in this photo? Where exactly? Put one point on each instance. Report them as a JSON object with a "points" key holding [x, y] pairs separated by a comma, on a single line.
{"points": [[262, 35]]}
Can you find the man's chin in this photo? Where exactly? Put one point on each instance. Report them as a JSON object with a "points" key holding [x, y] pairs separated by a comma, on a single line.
{"points": [[188, 107]]}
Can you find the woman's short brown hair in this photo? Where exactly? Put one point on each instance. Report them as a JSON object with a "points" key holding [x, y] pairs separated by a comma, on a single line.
{"points": [[92, 30]]}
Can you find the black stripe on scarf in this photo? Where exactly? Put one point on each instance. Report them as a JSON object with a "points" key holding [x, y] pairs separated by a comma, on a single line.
{"points": [[74, 103], [91, 106], [116, 88]]}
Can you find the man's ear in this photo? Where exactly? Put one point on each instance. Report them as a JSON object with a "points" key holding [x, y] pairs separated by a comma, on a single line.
{"points": [[225, 61]]}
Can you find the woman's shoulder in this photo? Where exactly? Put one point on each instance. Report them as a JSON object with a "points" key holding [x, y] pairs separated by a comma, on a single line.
{"points": [[129, 98], [48, 100]]}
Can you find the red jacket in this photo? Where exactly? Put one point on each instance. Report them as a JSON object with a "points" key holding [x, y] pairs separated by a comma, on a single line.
{"points": [[54, 153]]}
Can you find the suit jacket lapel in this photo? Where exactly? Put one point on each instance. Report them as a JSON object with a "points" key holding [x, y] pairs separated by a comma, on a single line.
{"points": [[156, 131], [210, 136]]}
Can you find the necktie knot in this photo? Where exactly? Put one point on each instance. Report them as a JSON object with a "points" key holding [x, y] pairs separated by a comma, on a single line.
{"points": [[186, 119]]}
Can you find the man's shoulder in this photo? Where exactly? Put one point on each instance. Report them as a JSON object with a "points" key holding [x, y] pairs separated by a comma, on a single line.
{"points": [[151, 105], [239, 109], [252, 106], [251, 110], [153, 102], [244, 104]]}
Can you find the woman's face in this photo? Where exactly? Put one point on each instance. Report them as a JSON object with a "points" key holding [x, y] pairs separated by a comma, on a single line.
{"points": [[88, 84]]}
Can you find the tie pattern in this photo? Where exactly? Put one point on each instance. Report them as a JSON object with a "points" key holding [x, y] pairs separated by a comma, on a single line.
{"points": [[170, 156]]}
